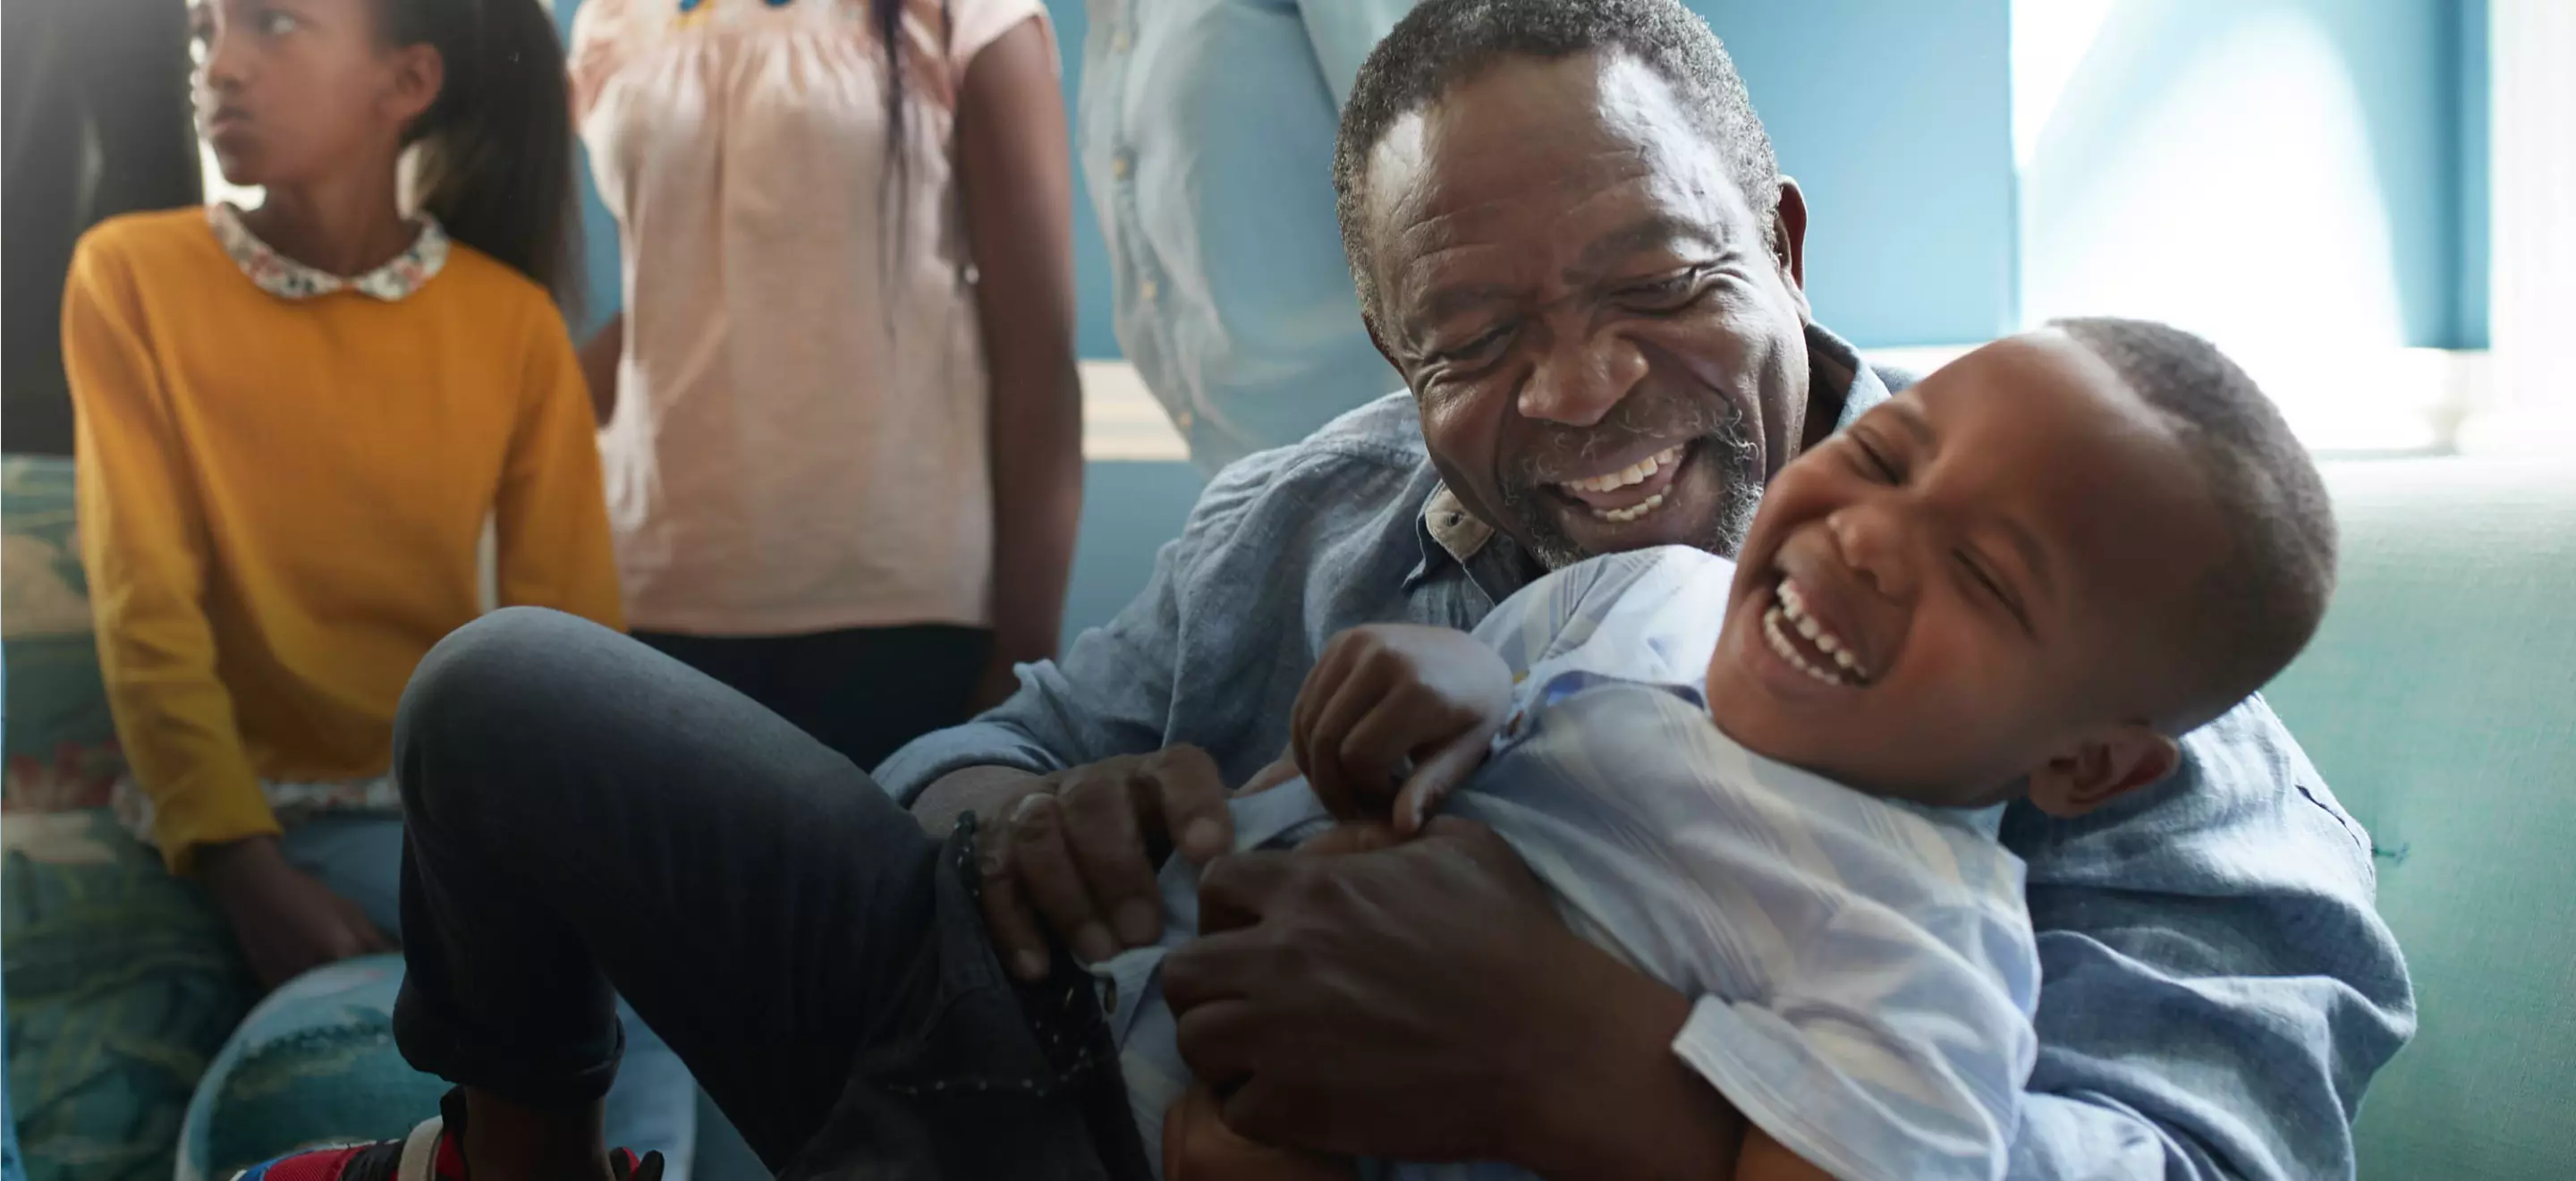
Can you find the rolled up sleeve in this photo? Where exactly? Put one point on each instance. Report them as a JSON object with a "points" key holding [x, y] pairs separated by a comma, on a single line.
{"points": [[2217, 986], [1105, 698], [1112, 693]]}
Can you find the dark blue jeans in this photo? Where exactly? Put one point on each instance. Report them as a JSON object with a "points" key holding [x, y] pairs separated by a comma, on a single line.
{"points": [[587, 815], [834, 686]]}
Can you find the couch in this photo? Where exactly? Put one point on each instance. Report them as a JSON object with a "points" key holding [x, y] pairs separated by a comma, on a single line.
{"points": [[2439, 701]]}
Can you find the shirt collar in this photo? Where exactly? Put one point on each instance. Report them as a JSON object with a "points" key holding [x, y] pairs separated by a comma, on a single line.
{"points": [[286, 278], [1449, 534]]}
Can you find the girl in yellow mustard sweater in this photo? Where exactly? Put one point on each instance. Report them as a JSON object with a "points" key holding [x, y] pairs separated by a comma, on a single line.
{"points": [[293, 423]]}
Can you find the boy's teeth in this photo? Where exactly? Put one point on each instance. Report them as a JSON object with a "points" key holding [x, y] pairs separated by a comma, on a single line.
{"points": [[1792, 607], [1789, 652]]}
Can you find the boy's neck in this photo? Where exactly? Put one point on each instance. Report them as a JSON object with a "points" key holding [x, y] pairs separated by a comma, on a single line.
{"points": [[343, 225]]}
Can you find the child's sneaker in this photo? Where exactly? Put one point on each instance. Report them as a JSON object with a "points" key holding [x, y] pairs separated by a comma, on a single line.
{"points": [[428, 1154]]}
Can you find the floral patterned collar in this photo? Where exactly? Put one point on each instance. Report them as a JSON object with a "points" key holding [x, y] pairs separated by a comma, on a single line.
{"points": [[286, 278]]}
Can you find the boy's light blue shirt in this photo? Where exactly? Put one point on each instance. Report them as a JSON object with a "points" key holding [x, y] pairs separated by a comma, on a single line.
{"points": [[1862, 970]]}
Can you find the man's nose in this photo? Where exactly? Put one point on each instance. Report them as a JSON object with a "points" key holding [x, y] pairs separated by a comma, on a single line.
{"points": [[1581, 378], [1876, 539]]}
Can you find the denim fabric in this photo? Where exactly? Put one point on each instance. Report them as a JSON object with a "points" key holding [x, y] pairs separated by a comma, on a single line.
{"points": [[654, 1104], [586, 813]]}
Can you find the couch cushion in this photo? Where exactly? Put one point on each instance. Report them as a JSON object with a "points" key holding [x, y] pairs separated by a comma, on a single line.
{"points": [[2437, 701], [315, 1063], [61, 740], [123, 981]]}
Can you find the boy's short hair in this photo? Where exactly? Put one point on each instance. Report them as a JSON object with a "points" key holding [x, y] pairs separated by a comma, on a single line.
{"points": [[2260, 602]]}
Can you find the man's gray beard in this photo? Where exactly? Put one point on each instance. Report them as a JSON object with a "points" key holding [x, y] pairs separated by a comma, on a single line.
{"points": [[1739, 476]]}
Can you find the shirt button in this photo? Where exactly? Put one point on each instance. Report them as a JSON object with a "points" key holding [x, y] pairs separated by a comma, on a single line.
{"points": [[1149, 290], [1121, 41], [1122, 164], [1184, 419]]}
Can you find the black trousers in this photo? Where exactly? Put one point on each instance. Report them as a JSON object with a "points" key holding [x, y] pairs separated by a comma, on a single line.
{"points": [[586, 814], [862, 691]]}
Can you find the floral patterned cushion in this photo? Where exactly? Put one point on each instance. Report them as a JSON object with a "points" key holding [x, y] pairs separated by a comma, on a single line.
{"points": [[61, 740], [122, 984], [122, 980]]}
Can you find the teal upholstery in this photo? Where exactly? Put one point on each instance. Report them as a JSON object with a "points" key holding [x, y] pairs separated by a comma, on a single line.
{"points": [[313, 1064], [123, 982], [2440, 702]]}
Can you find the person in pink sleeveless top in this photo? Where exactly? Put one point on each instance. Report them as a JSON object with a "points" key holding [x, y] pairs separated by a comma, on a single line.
{"points": [[841, 427]]}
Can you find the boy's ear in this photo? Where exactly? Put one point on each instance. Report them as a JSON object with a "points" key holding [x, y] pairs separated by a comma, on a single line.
{"points": [[2100, 767]]}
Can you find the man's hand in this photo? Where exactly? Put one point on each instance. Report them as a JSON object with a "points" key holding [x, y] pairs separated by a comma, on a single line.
{"points": [[1075, 852], [1422, 1001], [288, 922], [1394, 716]]}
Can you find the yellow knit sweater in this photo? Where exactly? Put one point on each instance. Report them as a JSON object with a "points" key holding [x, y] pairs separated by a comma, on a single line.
{"points": [[281, 502]]}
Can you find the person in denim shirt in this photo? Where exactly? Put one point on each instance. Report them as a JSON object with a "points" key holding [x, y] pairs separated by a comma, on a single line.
{"points": [[1570, 235], [1205, 132]]}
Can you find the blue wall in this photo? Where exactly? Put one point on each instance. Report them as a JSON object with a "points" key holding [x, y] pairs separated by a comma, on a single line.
{"points": [[2259, 168], [1895, 116], [2468, 52]]}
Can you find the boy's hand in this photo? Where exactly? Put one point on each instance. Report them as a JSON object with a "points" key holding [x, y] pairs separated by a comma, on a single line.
{"points": [[288, 922], [1394, 716]]}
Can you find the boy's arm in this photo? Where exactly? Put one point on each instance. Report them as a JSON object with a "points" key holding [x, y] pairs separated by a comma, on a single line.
{"points": [[1763, 1159]]}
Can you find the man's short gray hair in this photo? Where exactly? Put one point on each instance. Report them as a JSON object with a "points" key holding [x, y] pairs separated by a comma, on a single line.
{"points": [[1444, 43]]}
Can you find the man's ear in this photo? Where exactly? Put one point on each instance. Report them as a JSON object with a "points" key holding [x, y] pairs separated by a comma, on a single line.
{"points": [[2100, 767], [419, 74], [1789, 234]]}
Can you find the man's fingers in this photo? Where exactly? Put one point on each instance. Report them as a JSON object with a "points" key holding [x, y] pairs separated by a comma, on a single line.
{"points": [[1189, 795], [1277, 773], [1352, 836], [1264, 1112], [1108, 850], [1435, 777], [1237, 889], [1017, 940], [1219, 1040], [1047, 872]]}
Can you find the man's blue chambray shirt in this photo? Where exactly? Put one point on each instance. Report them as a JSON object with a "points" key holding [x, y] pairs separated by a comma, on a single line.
{"points": [[2216, 987]]}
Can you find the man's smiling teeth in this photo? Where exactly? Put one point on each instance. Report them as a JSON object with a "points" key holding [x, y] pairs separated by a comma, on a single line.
{"points": [[1624, 515], [1635, 473], [1790, 611]]}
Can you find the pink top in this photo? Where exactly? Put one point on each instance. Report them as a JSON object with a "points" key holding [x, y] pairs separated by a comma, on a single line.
{"points": [[799, 442]]}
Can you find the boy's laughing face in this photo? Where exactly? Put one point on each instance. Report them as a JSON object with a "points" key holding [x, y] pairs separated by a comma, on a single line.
{"points": [[1971, 584]]}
